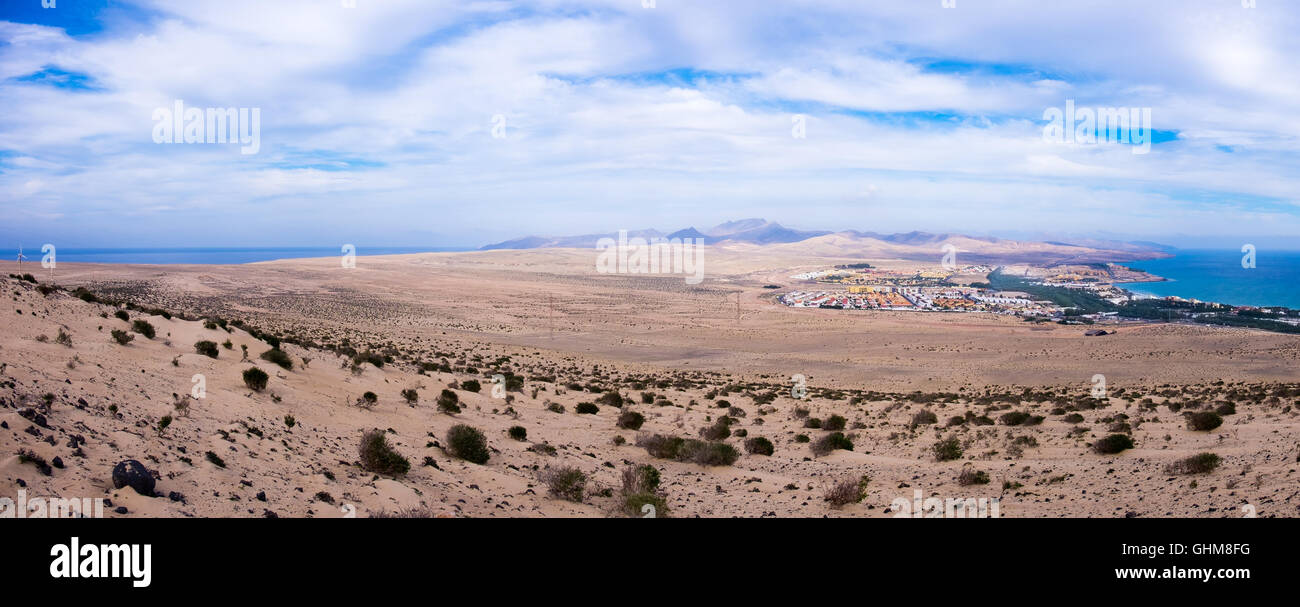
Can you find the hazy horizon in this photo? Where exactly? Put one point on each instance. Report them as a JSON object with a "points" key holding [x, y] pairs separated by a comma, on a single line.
{"points": [[457, 124]]}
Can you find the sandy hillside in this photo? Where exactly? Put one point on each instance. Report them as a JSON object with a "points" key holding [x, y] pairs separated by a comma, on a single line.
{"points": [[682, 356]]}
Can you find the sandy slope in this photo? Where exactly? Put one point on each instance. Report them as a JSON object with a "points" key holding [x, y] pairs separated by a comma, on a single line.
{"points": [[553, 316]]}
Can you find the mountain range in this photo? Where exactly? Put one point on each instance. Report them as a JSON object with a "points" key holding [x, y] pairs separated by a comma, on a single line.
{"points": [[756, 231], [854, 243]]}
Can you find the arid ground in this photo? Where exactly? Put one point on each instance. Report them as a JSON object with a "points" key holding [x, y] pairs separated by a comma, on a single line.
{"points": [[709, 361]]}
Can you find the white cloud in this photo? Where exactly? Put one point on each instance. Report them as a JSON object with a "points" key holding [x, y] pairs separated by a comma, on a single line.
{"points": [[671, 116]]}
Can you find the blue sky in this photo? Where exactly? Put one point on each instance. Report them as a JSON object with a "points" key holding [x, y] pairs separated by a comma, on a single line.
{"points": [[377, 121]]}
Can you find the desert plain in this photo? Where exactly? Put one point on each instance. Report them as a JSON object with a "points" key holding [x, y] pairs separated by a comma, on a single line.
{"points": [[717, 362]]}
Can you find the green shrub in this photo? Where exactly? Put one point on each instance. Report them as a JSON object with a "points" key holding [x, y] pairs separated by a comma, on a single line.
{"points": [[144, 328], [1073, 418], [759, 446], [448, 402], [586, 409], [468, 444], [662, 447], [831, 442], [122, 337], [1226, 409], [369, 357], [206, 348], [847, 491], [946, 450], [471, 385], [645, 505], [1113, 444], [255, 378], [1014, 418], [630, 420], [924, 417], [410, 395], [970, 476], [688, 450], [379, 457], [278, 357], [122, 315], [708, 454], [518, 433], [718, 431], [611, 398], [566, 483], [834, 422], [1203, 421], [641, 479], [1202, 463]]}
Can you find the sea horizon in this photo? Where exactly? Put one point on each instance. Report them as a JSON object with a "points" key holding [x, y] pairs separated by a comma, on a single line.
{"points": [[1218, 275], [218, 255], [1211, 275]]}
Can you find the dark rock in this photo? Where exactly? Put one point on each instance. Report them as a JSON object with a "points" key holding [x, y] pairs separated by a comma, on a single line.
{"points": [[34, 417], [261, 495], [120, 510], [269, 514], [57, 462], [176, 497], [133, 474]]}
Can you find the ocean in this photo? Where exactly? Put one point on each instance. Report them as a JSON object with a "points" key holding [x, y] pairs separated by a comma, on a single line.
{"points": [[1216, 275], [215, 255]]}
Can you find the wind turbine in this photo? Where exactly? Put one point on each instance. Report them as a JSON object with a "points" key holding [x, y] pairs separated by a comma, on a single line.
{"points": [[21, 257]]}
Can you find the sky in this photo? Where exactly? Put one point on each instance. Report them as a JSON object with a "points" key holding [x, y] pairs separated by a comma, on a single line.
{"points": [[440, 123]]}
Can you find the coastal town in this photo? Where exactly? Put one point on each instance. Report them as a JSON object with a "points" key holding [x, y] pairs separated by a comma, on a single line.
{"points": [[1072, 294], [943, 299]]}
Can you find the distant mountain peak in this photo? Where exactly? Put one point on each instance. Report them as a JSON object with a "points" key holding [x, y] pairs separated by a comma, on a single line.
{"points": [[760, 231], [737, 226]]}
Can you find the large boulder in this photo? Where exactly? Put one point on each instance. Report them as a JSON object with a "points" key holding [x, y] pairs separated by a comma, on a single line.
{"points": [[133, 474]]}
